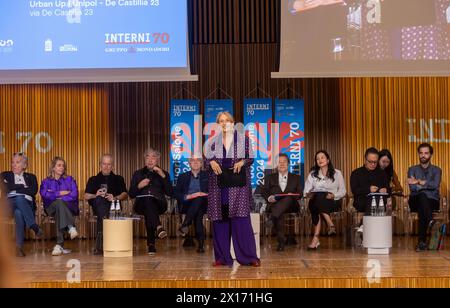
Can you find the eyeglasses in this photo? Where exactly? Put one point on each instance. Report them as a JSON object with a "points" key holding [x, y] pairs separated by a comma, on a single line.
{"points": [[372, 162], [19, 154]]}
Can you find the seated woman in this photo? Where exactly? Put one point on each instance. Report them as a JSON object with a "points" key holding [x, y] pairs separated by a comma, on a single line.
{"points": [[386, 163], [59, 194], [326, 188]]}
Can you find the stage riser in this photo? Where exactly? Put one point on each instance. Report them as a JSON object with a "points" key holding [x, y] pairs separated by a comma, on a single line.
{"points": [[287, 283]]}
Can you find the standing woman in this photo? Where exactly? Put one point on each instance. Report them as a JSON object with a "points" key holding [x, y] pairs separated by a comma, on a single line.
{"points": [[229, 207], [60, 196], [386, 163], [326, 188]]}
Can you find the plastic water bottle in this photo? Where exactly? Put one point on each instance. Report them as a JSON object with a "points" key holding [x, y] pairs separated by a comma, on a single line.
{"points": [[373, 207], [112, 211], [381, 209], [117, 207]]}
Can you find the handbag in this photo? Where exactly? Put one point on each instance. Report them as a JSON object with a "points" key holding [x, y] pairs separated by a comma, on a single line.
{"points": [[230, 179]]}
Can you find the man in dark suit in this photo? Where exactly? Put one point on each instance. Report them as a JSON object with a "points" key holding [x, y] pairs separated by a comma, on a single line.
{"points": [[191, 193], [21, 189], [150, 186], [281, 183]]}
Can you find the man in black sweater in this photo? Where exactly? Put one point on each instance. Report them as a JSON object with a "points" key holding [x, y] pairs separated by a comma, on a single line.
{"points": [[150, 186], [101, 190], [21, 189], [368, 179]]}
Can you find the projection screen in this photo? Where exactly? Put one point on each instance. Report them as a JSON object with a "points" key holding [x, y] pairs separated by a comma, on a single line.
{"points": [[59, 41], [338, 38]]}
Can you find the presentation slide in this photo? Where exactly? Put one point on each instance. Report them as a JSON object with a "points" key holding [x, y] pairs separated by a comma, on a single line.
{"points": [[333, 38], [93, 34]]}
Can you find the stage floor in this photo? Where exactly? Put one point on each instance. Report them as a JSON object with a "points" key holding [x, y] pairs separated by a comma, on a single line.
{"points": [[332, 265]]}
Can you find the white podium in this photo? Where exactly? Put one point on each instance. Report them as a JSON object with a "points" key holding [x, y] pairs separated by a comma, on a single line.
{"points": [[255, 218], [117, 238], [377, 236]]}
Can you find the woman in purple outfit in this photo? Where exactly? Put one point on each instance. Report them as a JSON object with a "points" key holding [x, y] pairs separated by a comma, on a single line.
{"points": [[229, 208], [60, 197]]}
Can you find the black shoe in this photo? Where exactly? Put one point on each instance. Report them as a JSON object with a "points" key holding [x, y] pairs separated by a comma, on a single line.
{"points": [[280, 246], [151, 250], [421, 246], [39, 234], [19, 252], [201, 246]]}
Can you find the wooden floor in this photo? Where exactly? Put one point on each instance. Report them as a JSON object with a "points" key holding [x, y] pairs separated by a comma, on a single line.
{"points": [[174, 266]]}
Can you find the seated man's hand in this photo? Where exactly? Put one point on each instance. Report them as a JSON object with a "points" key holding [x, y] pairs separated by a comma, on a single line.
{"points": [[412, 181], [196, 195], [373, 189], [271, 199]]}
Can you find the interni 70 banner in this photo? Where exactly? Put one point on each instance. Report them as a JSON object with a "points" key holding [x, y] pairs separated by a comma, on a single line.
{"points": [[290, 115], [182, 124], [257, 121]]}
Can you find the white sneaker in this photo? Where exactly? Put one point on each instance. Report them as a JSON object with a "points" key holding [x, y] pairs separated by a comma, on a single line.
{"points": [[360, 229], [73, 233], [58, 250]]}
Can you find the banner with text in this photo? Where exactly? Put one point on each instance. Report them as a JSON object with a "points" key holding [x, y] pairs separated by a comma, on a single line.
{"points": [[290, 115], [257, 121], [182, 132]]}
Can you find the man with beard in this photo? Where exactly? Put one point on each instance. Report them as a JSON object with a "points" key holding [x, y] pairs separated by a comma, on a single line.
{"points": [[424, 181]]}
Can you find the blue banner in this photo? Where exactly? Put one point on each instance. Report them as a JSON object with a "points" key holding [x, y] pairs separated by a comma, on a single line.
{"points": [[257, 121], [182, 135], [290, 115]]}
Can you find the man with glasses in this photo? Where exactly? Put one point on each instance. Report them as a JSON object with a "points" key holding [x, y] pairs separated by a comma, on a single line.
{"points": [[368, 179], [21, 189]]}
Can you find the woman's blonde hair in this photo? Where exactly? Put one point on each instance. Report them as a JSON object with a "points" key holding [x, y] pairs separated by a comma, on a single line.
{"points": [[55, 160], [225, 113]]}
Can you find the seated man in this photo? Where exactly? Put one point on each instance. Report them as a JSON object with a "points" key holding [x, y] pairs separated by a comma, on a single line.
{"points": [[150, 186], [191, 193], [424, 181], [281, 183], [21, 189], [368, 179], [101, 190]]}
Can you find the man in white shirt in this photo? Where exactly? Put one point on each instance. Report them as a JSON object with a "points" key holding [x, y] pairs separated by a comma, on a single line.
{"points": [[281, 190], [21, 188]]}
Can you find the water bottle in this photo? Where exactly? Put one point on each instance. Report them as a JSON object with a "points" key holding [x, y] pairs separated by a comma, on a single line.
{"points": [[117, 207], [112, 210], [381, 209], [373, 207]]}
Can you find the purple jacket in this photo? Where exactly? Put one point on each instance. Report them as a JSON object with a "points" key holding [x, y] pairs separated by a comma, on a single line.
{"points": [[240, 198], [51, 188]]}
